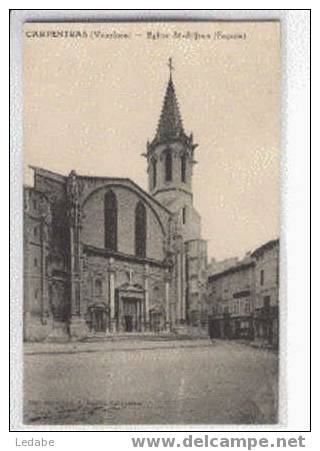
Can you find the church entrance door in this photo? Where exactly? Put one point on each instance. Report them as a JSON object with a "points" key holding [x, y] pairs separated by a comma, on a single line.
{"points": [[130, 315], [128, 323]]}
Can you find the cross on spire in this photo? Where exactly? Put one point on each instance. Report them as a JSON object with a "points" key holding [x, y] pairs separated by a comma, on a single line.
{"points": [[170, 65]]}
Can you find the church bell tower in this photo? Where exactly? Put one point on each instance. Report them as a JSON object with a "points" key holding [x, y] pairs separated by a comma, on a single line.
{"points": [[170, 155]]}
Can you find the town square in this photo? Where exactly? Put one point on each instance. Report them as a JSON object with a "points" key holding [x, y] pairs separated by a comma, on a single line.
{"points": [[150, 382]]}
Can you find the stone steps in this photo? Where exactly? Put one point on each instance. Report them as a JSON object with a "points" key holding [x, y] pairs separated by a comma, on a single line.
{"points": [[136, 337]]}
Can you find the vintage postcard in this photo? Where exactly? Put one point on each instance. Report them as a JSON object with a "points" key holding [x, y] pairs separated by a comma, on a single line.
{"points": [[151, 223]]}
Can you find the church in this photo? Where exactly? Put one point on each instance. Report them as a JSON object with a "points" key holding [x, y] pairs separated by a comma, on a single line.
{"points": [[103, 257]]}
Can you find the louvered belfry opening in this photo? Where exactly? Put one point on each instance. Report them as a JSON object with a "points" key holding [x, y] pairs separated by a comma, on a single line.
{"points": [[168, 165]]}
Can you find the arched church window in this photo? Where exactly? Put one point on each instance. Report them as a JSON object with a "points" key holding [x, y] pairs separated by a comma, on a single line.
{"points": [[184, 215], [154, 173], [98, 287], [110, 220], [183, 168], [168, 166], [140, 230]]}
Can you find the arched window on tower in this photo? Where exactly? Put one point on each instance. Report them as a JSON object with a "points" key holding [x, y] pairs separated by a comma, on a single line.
{"points": [[183, 168], [140, 230], [168, 166], [110, 220], [154, 173]]}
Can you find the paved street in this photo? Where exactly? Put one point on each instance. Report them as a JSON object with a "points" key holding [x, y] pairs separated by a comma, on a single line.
{"points": [[150, 383]]}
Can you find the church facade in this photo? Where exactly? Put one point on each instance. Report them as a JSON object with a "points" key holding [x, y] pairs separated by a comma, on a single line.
{"points": [[103, 256]]}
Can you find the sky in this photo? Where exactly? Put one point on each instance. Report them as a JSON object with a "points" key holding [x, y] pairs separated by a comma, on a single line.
{"points": [[92, 103]]}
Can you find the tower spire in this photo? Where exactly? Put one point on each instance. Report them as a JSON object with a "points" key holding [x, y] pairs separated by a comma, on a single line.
{"points": [[170, 123], [170, 153]]}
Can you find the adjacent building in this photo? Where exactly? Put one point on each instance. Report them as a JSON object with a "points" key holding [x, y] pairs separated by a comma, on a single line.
{"points": [[244, 296], [216, 266], [231, 295], [266, 312]]}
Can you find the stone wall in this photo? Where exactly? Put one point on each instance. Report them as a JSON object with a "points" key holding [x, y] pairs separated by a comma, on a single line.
{"points": [[196, 282], [37, 236]]}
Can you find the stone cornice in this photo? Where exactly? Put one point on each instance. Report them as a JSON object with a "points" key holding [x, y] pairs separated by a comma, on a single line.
{"points": [[88, 249]]}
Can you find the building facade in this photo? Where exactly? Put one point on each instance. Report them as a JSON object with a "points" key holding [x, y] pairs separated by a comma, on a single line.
{"points": [[103, 256], [266, 312], [231, 294], [244, 296]]}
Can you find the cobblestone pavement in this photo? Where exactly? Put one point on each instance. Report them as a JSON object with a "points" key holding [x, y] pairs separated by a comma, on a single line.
{"points": [[132, 382]]}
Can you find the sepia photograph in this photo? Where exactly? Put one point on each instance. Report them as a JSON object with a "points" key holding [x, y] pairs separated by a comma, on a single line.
{"points": [[151, 223]]}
